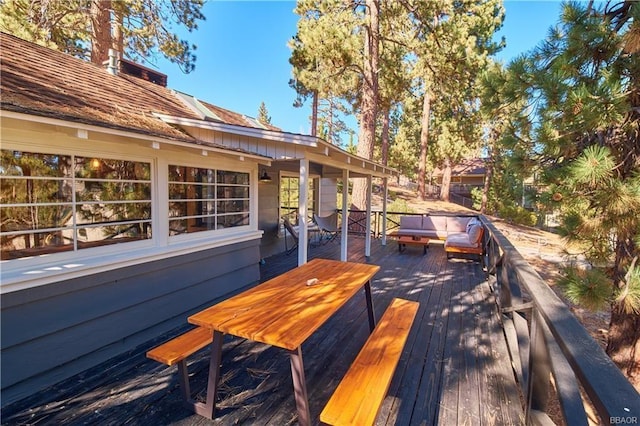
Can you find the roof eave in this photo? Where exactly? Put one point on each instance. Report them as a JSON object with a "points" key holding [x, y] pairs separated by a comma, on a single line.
{"points": [[191, 143], [266, 134]]}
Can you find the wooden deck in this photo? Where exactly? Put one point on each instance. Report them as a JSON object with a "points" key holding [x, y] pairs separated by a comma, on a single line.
{"points": [[455, 368]]}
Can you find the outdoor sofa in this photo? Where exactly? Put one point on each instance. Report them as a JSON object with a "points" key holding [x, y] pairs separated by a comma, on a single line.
{"points": [[461, 234]]}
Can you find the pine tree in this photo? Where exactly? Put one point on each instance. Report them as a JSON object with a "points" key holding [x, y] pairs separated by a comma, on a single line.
{"points": [[263, 114], [88, 28], [323, 53], [369, 90], [583, 88], [453, 43]]}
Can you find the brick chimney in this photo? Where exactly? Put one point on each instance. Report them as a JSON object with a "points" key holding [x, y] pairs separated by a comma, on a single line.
{"points": [[137, 70]]}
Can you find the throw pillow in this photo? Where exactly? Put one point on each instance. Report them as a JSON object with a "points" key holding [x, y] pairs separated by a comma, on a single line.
{"points": [[475, 232], [473, 221]]}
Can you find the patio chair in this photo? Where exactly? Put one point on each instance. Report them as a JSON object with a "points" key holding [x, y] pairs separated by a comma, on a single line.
{"points": [[294, 235], [328, 226]]}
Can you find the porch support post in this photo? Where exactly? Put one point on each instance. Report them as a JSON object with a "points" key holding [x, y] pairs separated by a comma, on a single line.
{"points": [[385, 195], [367, 238], [303, 231], [345, 215]]}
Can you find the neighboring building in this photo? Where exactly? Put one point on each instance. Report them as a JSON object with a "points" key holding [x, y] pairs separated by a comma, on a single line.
{"points": [[469, 174], [125, 206]]}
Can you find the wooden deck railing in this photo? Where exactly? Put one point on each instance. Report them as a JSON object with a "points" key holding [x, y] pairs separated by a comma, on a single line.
{"points": [[550, 347]]}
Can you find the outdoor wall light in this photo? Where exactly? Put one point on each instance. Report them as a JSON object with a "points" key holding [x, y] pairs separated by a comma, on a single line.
{"points": [[264, 177]]}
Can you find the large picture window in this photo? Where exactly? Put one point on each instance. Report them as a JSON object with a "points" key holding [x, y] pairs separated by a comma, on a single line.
{"points": [[206, 199], [52, 203]]}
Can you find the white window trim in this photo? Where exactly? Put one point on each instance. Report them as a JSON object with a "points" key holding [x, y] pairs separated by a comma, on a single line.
{"points": [[29, 272]]}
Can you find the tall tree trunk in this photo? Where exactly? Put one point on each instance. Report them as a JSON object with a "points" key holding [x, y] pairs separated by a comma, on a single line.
{"points": [[385, 135], [488, 174], [446, 180], [118, 40], [331, 113], [424, 145], [101, 30], [368, 107], [623, 342], [314, 114]]}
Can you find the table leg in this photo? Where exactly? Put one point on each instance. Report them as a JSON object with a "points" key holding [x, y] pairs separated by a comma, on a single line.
{"points": [[372, 316], [207, 410], [300, 387]]}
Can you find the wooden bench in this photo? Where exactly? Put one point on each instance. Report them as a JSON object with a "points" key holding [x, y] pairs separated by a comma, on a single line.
{"points": [[358, 397], [176, 351]]}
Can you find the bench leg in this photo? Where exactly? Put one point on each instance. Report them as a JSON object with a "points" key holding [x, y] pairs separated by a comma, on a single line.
{"points": [[208, 409], [300, 387], [370, 312], [183, 374]]}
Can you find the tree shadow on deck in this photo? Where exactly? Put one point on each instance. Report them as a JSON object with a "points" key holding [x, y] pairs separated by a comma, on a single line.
{"points": [[454, 367]]}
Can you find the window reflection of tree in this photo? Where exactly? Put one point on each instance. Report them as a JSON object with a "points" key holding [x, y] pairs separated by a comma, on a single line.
{"points": [[200, 199], [37, 194], [112, 193], [35, 182]]}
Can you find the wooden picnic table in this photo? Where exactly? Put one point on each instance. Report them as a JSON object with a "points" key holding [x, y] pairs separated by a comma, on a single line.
{"points": [[284, 312]]}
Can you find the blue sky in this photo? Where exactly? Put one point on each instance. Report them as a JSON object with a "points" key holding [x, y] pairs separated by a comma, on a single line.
{"points": [[243, 58]]}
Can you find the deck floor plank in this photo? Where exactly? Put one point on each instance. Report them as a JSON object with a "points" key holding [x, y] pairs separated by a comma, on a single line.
{"points": [[455, 368], [421, 382]]}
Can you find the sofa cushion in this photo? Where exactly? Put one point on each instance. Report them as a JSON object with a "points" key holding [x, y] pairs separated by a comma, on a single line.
{"points": [[457, 224], [459, 240], [410, 222], [436, 223]]}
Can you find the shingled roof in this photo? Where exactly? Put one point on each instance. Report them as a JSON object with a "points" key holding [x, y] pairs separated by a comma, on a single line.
{"points": [[44, 82], [467, 167]]}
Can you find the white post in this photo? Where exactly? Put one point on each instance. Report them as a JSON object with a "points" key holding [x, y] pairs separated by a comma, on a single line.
{"points": [[385, 194], [367, 238], [303, 231], [345, 215]]}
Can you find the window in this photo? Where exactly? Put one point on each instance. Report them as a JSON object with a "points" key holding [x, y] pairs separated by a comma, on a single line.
{"points": [[289, 195], [53, 203], [206, 199]]}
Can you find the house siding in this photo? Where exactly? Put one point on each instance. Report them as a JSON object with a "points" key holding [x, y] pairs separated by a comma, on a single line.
{"points": [[52, 332], [328, 196]]}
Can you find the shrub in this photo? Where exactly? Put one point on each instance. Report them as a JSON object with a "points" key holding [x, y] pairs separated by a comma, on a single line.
{"points": [[518, 215]]}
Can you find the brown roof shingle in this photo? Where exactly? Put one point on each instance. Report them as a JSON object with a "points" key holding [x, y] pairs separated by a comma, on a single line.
{"points": [[41, 81]]}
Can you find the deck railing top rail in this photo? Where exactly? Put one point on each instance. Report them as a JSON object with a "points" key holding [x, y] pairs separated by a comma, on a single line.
{"points": [[556, 339]]}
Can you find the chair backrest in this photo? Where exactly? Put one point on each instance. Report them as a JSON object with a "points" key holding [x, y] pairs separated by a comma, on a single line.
{"points": [[327, 223], [290, 228]]}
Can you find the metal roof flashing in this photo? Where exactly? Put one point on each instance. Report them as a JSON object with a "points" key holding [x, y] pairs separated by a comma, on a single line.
{"points": [[196, 106]]}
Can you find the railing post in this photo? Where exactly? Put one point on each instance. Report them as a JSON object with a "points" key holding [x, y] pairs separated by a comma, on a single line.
{"points": [[539, 369]]}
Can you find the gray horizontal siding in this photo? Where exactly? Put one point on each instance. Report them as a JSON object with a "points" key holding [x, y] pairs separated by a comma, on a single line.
{"points": [[52, 332]]}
